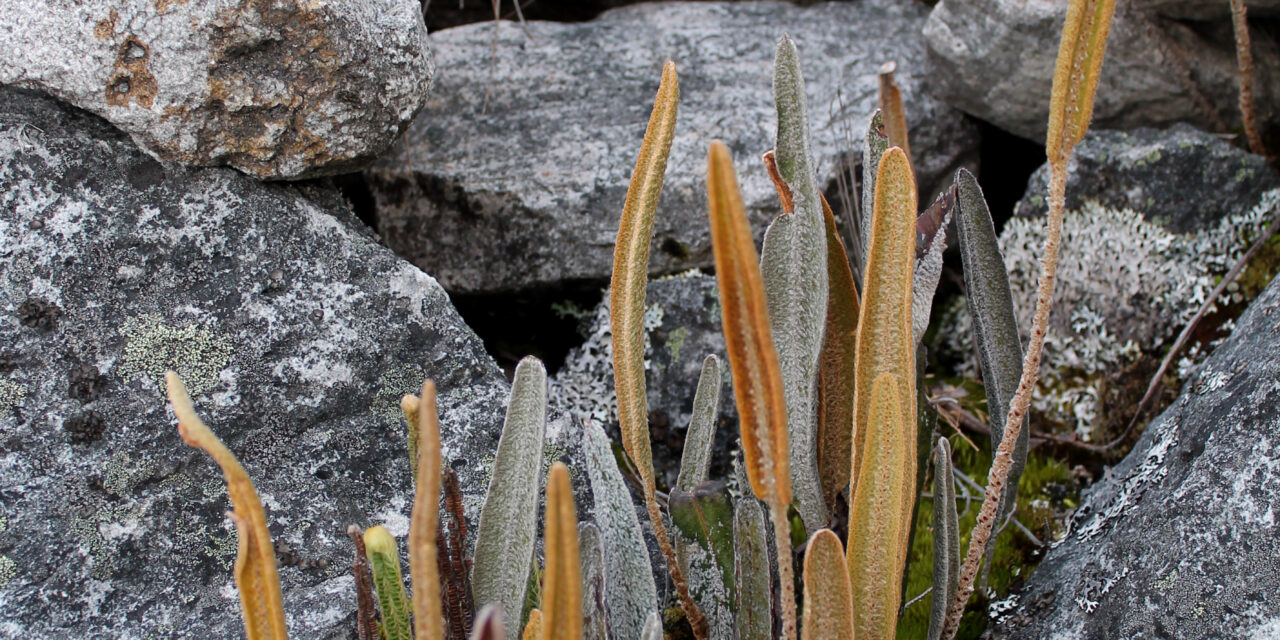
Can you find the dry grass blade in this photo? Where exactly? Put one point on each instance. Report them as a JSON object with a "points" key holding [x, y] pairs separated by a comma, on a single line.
{"points": [[891, 109], [428, 619], [1084, 39], [757, 381], [836, 368], [631, 276], [884, 343], [255, 567], [877, 534], [828, 601], [562, 581]]}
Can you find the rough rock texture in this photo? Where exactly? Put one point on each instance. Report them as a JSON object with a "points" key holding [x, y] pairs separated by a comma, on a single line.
{"points": [[278, 89], [1154, 219], [297, 335], [516, 170], [1180, 178], [682, 327], [1179, 539], [995, 60]]}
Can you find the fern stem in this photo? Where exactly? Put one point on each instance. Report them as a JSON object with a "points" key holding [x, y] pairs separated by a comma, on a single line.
{"points": [[999, 473]]}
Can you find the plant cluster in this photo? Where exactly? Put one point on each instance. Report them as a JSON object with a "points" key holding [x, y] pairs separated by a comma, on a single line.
{"points": [[823, 350]]}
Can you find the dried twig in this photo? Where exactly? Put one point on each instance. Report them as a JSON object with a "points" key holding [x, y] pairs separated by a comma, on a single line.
{"points": [[366, 621]]}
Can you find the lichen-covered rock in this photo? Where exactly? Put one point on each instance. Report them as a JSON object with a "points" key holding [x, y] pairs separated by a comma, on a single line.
{"points": [[682, 327], [297, 334], [1179, 539], [995, 60], [1154, 219], [275, 88], [517, 168]]}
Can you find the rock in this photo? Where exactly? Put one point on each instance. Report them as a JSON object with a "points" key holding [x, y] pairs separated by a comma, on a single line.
{"points": [[995, 59], [297, 334], [1196, 10], [682, 327], [1154, 219], [517, 168], [1180, 178], [1179, 539], [280, 89]]}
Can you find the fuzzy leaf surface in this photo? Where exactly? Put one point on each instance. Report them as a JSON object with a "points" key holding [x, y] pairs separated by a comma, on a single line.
{"points": [[424, 521], [1075, 78], [793, 264], [874, 146], [509, 519], [695, 460], [629, 591], [757, 379], [877, 525], [631, 275], [594, 578], [828, 601], [754, 595], [837, 368], [562, 580], [946, 538]]}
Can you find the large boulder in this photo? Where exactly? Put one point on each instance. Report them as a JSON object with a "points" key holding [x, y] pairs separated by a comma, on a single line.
{"points": [[1154, 219], [1180, 538], [297, 334], [995, 60], [278, 89], [515, 172]]}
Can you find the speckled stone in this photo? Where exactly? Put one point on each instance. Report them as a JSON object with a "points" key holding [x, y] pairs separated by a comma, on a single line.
{"points": [[1181, 178], [1180, 538], [297, 333], [515, 172], [995, 59], [278, 89]]}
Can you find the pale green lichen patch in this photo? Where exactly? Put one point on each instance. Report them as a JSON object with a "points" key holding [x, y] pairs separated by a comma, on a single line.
{"points": [[8, 571], [675, 342], [12, 394], [197, 353], [393, 385], [124, 473]]}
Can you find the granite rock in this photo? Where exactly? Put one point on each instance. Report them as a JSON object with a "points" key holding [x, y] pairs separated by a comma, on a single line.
{"points": [[297, 334], [277, 88], [1179, 539], [995, 59], [515, 172]]}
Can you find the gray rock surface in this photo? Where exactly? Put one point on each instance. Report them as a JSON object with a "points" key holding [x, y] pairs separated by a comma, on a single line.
{"points": [[279, 89], [516, 170], [297, 334], [1180, 178], [1179, 539], [995, 60], [682, 326]]}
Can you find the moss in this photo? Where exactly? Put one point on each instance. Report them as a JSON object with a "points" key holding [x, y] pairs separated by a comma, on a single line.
{"points": [[8, 571], [1042, 505], [12, 395], [195, 352]]}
